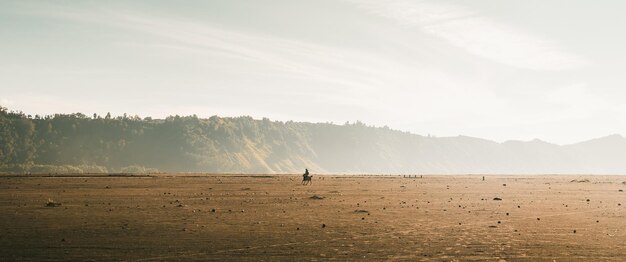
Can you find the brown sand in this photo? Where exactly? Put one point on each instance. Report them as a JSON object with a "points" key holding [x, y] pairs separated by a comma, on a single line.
{"points": [[210, 217]]}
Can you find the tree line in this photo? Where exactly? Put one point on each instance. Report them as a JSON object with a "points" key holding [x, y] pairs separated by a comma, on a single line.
{"points": [[77, 143]]}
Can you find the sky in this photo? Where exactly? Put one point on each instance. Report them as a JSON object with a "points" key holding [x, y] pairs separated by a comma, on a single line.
{"points": [[499, 70]]}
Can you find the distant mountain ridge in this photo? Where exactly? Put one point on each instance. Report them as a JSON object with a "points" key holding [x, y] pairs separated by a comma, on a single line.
{"points": [[244, 145]]}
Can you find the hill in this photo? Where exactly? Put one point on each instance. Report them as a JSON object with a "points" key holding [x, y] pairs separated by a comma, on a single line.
{"points": [[77, 143]]}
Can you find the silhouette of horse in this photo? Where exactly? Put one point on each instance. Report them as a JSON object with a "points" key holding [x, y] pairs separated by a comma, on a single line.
{"points": [[306, 180]]}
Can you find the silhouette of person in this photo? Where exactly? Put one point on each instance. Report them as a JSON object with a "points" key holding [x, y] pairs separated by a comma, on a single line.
{"points": [[306, 172]]}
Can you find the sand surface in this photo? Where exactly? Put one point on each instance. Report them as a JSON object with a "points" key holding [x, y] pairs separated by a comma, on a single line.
{"points": [[211, 217]]}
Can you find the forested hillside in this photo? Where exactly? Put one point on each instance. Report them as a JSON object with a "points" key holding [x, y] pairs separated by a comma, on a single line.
{"points": [[78, 143]]}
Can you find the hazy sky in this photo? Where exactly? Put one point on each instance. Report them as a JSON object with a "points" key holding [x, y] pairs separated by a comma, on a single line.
{"points": [[494, 69]]}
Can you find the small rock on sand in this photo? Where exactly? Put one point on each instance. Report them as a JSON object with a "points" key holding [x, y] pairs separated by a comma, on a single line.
{"points": [[51, 203], [497, 198], [317, 197]]}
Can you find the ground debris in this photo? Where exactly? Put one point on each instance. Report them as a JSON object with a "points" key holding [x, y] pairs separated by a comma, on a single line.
{"points": [[51, 203]]}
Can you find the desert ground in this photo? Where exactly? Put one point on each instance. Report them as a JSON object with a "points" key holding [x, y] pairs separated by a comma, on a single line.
{"points": [[338, 217]]}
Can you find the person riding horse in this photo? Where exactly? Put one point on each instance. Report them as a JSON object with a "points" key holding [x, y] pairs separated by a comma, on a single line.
{"points": [[306, 178]]}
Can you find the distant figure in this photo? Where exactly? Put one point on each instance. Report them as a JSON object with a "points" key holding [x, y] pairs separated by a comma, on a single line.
{"points": [[483, 178], [306, 178]]}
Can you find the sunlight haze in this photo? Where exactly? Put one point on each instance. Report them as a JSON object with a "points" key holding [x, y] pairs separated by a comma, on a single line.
{"points": [[498, 70]]}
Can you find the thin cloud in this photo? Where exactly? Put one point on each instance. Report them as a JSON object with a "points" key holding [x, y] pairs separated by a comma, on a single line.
{"points": [[322, 64], [478, 35], [403, 80]]}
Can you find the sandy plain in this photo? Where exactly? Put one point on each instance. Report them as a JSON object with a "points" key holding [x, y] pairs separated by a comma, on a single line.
{"points": [[266, 217]]}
